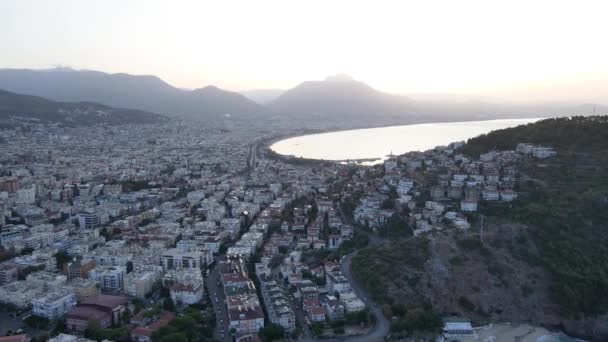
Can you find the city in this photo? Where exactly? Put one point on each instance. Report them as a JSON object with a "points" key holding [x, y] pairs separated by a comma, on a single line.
{"points": [[303, 171]]}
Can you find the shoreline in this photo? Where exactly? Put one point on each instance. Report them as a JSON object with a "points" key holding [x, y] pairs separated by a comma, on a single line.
{"points": [[269, 142]]}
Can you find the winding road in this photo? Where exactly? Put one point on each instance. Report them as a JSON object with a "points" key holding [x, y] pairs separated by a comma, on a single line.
{"points": [[382, 326]]}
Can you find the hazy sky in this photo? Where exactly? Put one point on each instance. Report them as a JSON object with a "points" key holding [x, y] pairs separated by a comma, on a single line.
{"points": [[397, 46]]}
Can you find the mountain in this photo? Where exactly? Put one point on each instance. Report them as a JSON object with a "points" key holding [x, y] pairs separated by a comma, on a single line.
{"points": [[342, 100], [262, 96], [148, 93], [341, 97], [73, 113]]}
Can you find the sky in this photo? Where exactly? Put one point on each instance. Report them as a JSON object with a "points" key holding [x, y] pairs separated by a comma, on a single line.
{"points": [[479, 46]]}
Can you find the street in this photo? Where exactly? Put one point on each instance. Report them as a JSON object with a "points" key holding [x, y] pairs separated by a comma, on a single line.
{"points": [[216, 298]]}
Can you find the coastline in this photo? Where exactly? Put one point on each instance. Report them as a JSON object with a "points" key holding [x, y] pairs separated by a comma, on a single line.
{"points": [[269, 142]]}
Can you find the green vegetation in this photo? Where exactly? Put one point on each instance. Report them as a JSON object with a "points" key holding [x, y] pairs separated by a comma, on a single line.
{"points": [[61, 258], [26, 251], [396, 228], [361, 317], [271, 332], [380, 268], [192, 326], [358, 241], [316, 328], [466, 304], [36, 322], [28, 270], [168, 304], [420, 318], [115, 334], [566, 200], [565, 134]]}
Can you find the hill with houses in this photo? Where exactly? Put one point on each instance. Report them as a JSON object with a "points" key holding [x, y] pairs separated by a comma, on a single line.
{"points": [[511, 226]]}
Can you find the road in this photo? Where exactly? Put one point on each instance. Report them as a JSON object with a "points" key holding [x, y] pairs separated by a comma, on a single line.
{"points": [[382, 326], [216, 297]]}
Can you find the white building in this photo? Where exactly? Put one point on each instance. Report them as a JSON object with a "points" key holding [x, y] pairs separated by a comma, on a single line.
{"points": [[174, 258], [54, 304], [139, 284], [111, 278], [508, 195], [26, 196], [187, 293], [185, 286], [469, 206], [336, 282]]}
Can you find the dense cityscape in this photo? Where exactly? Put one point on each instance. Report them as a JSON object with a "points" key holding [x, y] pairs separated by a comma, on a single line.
{"points": [[303, 171], [148, 232]]}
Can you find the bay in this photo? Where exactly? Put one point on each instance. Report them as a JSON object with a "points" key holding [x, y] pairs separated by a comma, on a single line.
{"points": [[377, 143]]}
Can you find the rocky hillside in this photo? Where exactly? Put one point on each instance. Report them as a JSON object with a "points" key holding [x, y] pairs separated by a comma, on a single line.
{"points": [[542, 260]]}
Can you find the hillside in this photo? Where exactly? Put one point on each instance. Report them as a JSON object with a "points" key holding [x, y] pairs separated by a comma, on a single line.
{"points": [[148, 93], [543, 260], [81, 113]]}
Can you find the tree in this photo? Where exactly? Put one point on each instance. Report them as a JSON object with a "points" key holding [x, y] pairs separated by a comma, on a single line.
{"points": [[59, 327], [129, 266], [271, 332], [396, 228], [316, 329], [61, 258], [36, 322], [26, 251], [126, 316], [169, 305], [165, 292], [175, 337]]}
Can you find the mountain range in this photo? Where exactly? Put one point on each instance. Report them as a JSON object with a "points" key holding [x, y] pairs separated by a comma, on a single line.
{"points": [[147, 93], [72, 113], [338, 100]]}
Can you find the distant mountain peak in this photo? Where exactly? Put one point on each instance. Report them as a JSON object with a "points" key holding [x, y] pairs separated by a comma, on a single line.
{"points": [[339, 78], [209, 88], [61, 68]]}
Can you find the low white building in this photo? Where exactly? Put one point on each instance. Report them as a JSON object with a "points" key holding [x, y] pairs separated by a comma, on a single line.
{"points": [[187, 293], [469, 206], [174, 258], [185, 286], [54, 304], [508, 195]]}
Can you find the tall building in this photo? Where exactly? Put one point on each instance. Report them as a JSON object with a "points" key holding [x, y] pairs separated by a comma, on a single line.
{"points": [[88, 219], [78, 268], [9, 184], [111, 278]]}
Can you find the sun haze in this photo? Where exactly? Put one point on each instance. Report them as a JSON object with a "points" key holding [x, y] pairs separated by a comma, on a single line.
{"points": [[482, 47]]}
